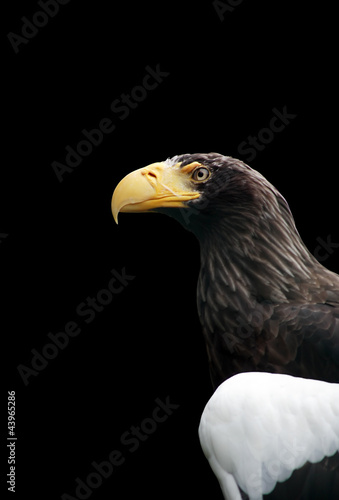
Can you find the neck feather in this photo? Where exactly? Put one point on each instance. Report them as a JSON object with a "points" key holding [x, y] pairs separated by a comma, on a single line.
{"points": [[256, 256]]}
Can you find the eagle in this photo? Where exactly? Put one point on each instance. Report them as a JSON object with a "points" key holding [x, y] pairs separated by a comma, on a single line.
{"points": [[270, 318], [264, 302]]}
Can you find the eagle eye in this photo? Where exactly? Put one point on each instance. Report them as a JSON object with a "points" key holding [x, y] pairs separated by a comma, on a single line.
{"points": [[201, 174]]}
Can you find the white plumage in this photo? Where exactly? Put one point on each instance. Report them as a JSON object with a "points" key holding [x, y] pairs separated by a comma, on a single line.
{"points": [[257, 428]]}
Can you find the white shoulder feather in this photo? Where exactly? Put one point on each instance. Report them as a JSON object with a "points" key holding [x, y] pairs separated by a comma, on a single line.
{"points": [[257, 428]]}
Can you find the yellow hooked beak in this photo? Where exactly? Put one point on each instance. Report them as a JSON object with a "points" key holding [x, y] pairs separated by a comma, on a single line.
{"points": [[157, 185]]}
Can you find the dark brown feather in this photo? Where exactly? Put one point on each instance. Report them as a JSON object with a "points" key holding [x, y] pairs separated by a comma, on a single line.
{"points": [[265, 303]]}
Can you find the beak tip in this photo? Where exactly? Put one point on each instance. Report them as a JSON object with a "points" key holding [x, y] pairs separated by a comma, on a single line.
{"points": [[115, 214], [115, 210]]}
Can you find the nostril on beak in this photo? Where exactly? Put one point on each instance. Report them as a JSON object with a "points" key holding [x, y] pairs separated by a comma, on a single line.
{"points": [[152, 174]]}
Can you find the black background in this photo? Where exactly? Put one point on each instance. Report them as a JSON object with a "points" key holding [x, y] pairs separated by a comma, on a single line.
{"points": [[225, 78]]}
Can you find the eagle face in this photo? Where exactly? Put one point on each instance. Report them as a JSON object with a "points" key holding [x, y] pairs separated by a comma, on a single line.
{"points": [[163, 186], [196, 189]]}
